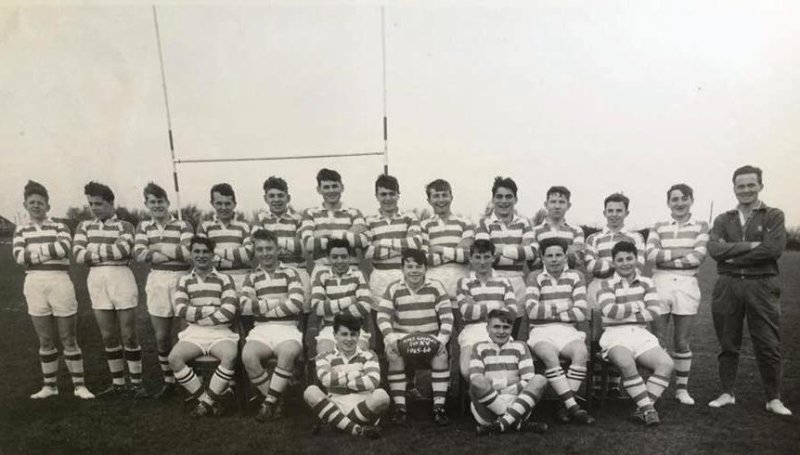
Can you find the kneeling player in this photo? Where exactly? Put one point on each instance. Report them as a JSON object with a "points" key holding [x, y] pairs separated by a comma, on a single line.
{"points": [[502, 384], [628, 301], [415, 305], [273, 294], [206, 299], [556, 302], [351, 375]]}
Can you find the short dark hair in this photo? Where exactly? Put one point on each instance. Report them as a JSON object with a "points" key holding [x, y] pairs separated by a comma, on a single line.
{"points": [[32, 188], [387, 181], [623, 247], [223, 189], [501, 314], [559, 190], [504, 182], [276, 183], [329, 175], [263, 234], [202, 240], [617, 197], [338, 243], [96, 189], [481, 246], [414, 254], [348, 320], [438, 185], [155, 191], [552, 241], [748, 169], [685, 189]]}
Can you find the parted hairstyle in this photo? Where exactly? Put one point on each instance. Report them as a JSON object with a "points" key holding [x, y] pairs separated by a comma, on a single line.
{"points": [[96, 189], [685, 189], [154, 190], [748, 169], [223, 189], [37, 188], [500, 314], [264, 234]]}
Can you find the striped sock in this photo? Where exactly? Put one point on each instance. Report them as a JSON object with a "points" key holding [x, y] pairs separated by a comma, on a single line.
{"points": [[397, 386], [518, 411], [575, 376], [133, 357], [74, 361], [166, 371], [363, 415], [683, 363], [558, 381], [261, 382], [116, 365], [49, 362], [280, 379], [656, 385], [219, 382], [440, 382], [614, 379], [189, 380], [328, 412], [637, 390], [491, 402]]}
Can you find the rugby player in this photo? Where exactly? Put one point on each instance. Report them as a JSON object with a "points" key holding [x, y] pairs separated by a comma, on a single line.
{"points": [[557, 203]]}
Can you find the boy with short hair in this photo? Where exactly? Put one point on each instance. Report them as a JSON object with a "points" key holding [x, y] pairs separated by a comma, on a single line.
{"points": [[557, 203]]}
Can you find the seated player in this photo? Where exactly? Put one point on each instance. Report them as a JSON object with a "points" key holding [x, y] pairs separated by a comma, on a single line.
{"points": [[555, 225], [351, 375], [556, 302], [43, 247], [206, 299], [339, 288], [502, 384], [628, 301], [476, 295], [416, 305], [273, 295]]}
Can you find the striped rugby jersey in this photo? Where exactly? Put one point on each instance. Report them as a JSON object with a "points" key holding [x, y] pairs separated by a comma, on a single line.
{"points": [[448, 234], [668, 236], [108, 242], [233, 244], [475, 299], [598, 251], [333, 366], [172, 238], [426, 310], [565, 231], [209, 301], [332, 294], [275, 296], [320, 223], [556, 299], [510, 363], [286, 227], [389, 236], [515, 240], [622, 302], [42, 246]]}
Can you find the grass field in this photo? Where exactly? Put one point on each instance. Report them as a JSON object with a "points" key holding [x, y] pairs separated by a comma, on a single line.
{"points": [[67, 425]]}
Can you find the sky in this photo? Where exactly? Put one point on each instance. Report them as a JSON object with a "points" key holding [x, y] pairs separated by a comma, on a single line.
{"points": [[597, 96]]}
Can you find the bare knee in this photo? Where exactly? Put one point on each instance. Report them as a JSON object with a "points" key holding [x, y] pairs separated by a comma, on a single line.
{"points": [[380, 401], [251, 359], [665, 366], [288, 353], [313, 395], [536, 384], [176, 362]]}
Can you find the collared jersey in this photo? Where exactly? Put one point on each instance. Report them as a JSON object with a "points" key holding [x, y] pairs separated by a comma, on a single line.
{"points": [[564, 231], [278, 295], [557, 299], [448, 234], [233, 243], [622, 302], [209, 301], [173, 237], [285, 227], [475, 299], [598, 251], [333, 366], [510, 362], [320, 224], [426, 310], [42, 246], [332, 294], [108, 242], [514, 239], [389, 236], [667, 236]]}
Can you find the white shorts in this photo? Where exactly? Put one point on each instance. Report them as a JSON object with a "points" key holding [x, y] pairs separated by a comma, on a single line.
{"points": [[112, 288], [471, 334], [206, 338], [347, 402], [160, 289], [272, 334], [679, 294], [326, 334], [504, 400], [50, 292], [591, 293], [559, 335], [636, 339], [379, 280], [517, 280], [448, 274]]}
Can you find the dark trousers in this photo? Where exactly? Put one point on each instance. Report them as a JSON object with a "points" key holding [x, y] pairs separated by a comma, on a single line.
{"points": [[758, 300]]}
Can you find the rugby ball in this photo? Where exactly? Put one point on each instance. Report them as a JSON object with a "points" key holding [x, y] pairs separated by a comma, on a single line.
{"points": [[417, 347]]}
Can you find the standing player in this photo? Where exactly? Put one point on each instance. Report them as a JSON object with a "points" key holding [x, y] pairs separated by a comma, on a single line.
{"points": [[43, 246], [273, 294], [477, 294], [389, 232], [206, 299], [415, 304], [339, 288], [503, 386], [163, 242], [105, 244], [445, 237], [234, 247], [351, 375], [557, 203], [628, 301], [556, 302], [677, 248]]}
